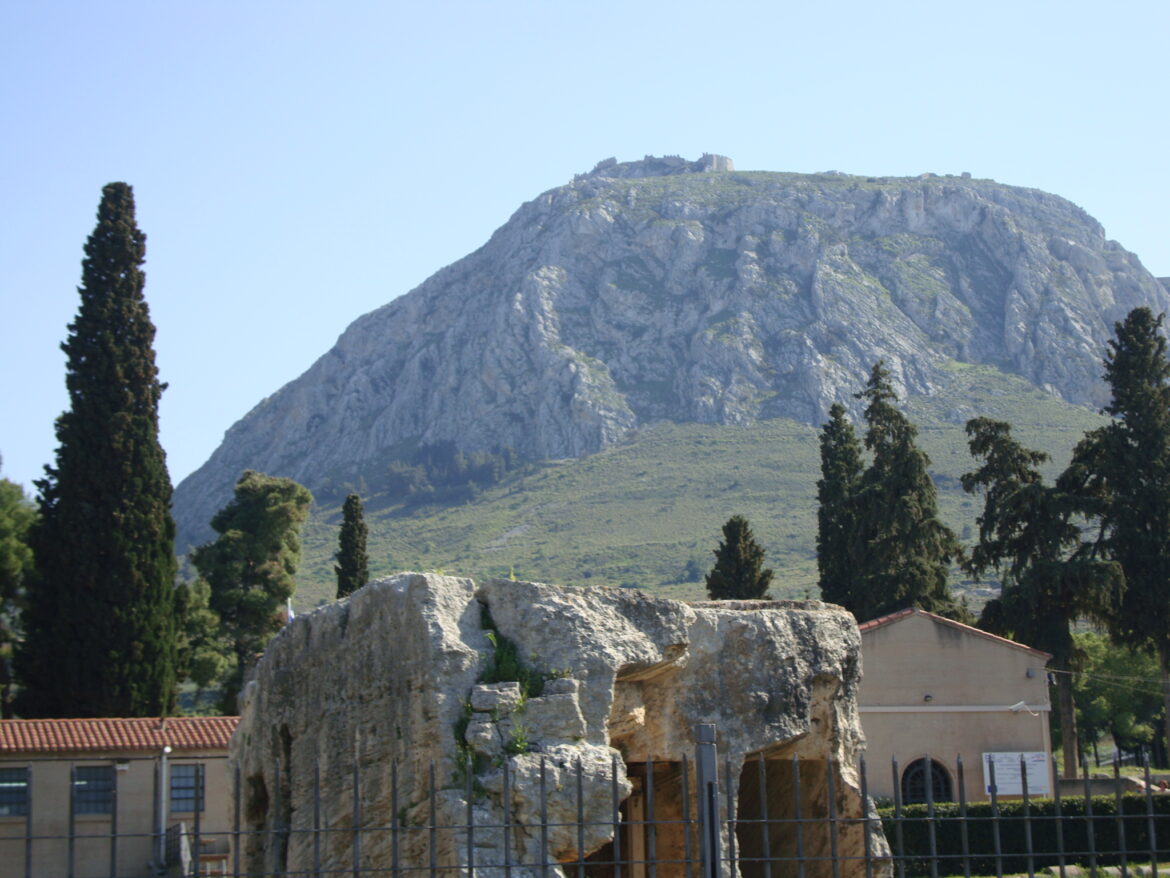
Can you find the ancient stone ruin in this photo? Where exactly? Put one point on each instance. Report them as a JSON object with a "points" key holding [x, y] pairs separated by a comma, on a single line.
{"points": [[613, 680]]}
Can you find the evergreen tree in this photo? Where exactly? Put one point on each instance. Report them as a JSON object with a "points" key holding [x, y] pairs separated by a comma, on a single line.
{"points": [[739, 572], [353, 565], [1028, 532], [1123, 473], [838, 560], [202, 652], [17, 515], [100, 623], [903, 550], [251, 567]]}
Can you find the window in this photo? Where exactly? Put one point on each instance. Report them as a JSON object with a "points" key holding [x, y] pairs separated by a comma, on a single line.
{"points": [[918, 774], [13, 792], [93, 789], [186, 788]]}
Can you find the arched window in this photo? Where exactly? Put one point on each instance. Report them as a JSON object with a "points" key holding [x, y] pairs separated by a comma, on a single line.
{"points": [[914, 780]]}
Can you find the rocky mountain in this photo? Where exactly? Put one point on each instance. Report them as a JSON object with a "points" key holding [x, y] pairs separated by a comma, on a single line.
{"points": [[686, 291]]}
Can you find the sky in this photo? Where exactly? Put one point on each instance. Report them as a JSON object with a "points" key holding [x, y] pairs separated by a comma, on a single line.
{"points": [[297, 164]]}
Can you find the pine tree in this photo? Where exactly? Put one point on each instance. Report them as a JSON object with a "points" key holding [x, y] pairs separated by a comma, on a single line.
{"points": [[903, 550], [1029, 534], [100, 626], [739, 572], [251, 567], [1123, 473], [838, 559], [353, 565]]}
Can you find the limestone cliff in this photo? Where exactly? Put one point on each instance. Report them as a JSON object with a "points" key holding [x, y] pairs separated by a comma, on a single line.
{"points": [[666, 289]]}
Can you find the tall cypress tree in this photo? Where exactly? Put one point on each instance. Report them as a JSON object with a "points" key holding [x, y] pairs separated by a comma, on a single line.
{"points": [[838, 561], [1123, 473], [353, 565], [739, 572], [99, 624], [904, 551]]}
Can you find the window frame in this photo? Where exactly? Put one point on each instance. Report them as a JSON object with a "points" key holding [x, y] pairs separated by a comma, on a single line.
{"points": [[95, 794], [15, 791], [192, 786]]}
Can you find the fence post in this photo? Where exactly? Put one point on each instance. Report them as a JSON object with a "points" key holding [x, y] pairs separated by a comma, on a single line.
{"points": [[1150, 821], [28, 823], [237, 839], [72, 816], [114, 823], [707, 770]]}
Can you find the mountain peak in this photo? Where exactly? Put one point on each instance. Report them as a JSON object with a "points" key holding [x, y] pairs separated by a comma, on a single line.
{"points": [[659, 290]]}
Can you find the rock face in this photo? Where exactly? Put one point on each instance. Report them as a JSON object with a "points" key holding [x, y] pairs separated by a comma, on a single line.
{"points": [[667, 289], [392, 677]]}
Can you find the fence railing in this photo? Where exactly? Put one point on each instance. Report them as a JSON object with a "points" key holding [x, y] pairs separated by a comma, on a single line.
{"points": [[706, 817]]}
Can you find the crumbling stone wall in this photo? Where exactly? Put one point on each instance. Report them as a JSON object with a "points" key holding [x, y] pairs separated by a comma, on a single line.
{"points": [[394, 678]]}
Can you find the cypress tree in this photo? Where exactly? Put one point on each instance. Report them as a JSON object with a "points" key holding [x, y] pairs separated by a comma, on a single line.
{"points": [[838, 561], [739, 572], [904, 550], [99, 624], [1123, 473], [251, 567], [353, 565]]}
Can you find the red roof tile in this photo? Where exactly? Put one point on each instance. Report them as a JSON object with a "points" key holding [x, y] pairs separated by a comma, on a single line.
{"points": [[88, 735], [941, 620]]}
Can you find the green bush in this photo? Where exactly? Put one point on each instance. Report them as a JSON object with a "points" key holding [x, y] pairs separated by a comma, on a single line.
{"points": [[913, 845]]}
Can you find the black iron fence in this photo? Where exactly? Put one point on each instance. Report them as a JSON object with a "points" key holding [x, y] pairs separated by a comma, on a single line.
{"points": [[700, 817]]}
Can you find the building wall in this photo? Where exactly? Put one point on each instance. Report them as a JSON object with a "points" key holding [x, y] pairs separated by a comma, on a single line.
{"points": [[972, 682], [137, 823]]}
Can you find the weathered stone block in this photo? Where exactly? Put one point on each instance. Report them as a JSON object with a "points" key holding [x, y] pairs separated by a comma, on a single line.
{"points": [[386, 678]]}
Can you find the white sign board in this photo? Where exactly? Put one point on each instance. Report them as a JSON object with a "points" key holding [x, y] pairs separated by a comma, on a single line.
{"points": [[1008, 778]]}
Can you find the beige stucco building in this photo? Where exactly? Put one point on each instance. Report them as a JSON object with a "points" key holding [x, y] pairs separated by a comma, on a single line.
{"points": [[68, 786], [938, 689]]}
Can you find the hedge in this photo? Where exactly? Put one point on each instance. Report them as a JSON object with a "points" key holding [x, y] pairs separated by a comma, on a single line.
{"points": [[1041, 820]]}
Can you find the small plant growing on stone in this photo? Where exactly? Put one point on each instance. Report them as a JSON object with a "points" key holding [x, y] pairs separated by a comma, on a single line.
{"points": [[504, 665], [517, 742]]}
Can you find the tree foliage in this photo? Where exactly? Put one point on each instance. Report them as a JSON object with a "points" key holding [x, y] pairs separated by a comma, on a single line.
{"points": [[838, 540], [443, 473], [202, 650], [100, 621], [884, 545], [17, 515], [1117, 692], [1029, 534], [251, 566], [739, 572], [1122, 474], [353, 565]]}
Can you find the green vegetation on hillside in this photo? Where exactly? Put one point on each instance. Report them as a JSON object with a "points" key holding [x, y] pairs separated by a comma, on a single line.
{"points": [[639, 513]]}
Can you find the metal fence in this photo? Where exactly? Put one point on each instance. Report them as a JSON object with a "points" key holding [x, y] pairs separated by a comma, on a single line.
{"points": [[700, 817]]}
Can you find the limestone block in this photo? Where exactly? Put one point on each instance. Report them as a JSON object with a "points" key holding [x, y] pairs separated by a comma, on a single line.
{"points": [[385, 677], [483, 736], [497, 698], [553, 718]]}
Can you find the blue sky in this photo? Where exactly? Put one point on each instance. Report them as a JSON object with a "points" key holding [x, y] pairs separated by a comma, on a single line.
{"points": [[297, 164]]}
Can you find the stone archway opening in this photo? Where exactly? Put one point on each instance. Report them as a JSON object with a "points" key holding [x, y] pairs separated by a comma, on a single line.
{"points": [[797, 813], [657, 825]]}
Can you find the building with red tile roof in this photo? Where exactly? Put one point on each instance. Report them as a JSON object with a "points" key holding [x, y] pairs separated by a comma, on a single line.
{"points": [[87, 779], [122, 735], [933, 688]]}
